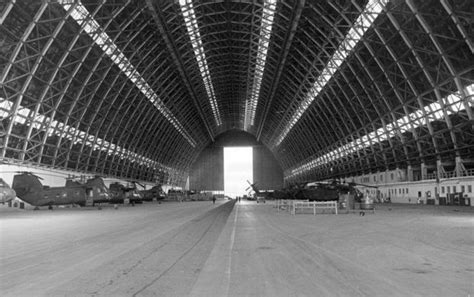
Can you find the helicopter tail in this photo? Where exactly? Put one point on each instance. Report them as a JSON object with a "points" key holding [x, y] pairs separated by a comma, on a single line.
{"points": [[26, 183]]}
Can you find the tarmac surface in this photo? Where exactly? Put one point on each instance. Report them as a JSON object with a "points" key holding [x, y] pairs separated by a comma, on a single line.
{"points": [[246, 249]]}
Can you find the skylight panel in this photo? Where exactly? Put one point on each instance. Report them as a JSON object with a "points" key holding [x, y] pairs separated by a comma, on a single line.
{"points": [[80, 14], [63, 130], [360, 27], [193, 31], [265, 33], [404, 124]]}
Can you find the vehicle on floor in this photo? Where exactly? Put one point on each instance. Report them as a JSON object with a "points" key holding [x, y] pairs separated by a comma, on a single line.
{"points": [[322, 191], [316, 192], [29, 188], [120, 193], [259, 196], [156, 192], [7, 194]]}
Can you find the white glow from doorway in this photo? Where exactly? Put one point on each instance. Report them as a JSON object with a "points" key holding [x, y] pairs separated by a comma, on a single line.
{"points": [[238, 169], [80, 14]]}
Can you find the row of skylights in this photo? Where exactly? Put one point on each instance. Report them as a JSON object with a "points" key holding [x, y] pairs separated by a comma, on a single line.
{"points": [[434, 112], [80, 14], [53, 127], [355, 34], [265, 33], [193, 32]]}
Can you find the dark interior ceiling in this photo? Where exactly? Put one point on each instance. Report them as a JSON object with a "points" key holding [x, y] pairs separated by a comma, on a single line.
{"points": [[144, 98]]}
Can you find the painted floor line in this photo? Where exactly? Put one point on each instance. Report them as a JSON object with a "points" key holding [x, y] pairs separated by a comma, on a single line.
{"points": [[231, 247]]}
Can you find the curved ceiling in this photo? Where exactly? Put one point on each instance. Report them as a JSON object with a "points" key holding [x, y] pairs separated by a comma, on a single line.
{"points": [[137, 89]]}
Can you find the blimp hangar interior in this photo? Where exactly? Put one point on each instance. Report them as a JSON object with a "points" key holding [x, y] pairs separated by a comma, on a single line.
{"points": [[375, 94]]}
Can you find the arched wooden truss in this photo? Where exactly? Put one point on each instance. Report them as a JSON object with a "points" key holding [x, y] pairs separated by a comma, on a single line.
{"points": [[136, 89]]}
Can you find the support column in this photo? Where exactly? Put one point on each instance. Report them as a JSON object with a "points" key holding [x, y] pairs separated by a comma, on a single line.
{"points": [[460, 169], [441, 173], [424, 171], [409, 173]]}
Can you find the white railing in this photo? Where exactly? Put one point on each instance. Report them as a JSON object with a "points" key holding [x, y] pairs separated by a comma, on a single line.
{"points": [[286, 204], [314, 205], [293, 205]]}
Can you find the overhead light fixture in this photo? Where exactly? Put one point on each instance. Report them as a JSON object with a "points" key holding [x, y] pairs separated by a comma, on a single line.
{"points": [[269, 7], [193, 31], [365, 20], [80, 14], [433, 112]]}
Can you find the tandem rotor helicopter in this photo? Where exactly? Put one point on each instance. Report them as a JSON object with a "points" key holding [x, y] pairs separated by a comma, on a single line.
{"points": [[259, 195], [29, 189], [156, 192], [7, 194], [322, 191], [119, 193]]}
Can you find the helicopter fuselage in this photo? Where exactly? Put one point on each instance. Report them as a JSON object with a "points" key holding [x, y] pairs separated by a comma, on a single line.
{"points": [[6, 193], [30, 190]]}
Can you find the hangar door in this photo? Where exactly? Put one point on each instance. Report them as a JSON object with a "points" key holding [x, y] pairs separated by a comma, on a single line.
{"points": [[207, 173]]}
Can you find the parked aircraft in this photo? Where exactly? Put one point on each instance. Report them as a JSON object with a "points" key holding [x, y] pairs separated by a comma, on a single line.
{"points": [[156, 192], [316, 192], [119, 193], [7, 194], [259, 195], [29, 189]]}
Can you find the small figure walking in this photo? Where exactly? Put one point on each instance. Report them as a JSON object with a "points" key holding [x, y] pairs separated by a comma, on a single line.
{"points": [[214, 199]]}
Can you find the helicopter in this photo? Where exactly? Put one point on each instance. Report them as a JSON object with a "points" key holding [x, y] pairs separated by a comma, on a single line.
{"points": [[7, 194], [120, 193], [156, 192], [315, 191], [260, 196], [29, 189]]}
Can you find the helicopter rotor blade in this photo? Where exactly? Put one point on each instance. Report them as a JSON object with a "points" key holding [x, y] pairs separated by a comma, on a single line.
{"points": [[30, 173]]}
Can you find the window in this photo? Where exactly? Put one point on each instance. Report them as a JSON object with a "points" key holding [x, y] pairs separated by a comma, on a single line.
{"points": [[462, 189], [406, 191], [381, 178], [454, 189], [469, 189], [449, 189], [442, 190], [391, 176], [375, 178], [399, 191]]}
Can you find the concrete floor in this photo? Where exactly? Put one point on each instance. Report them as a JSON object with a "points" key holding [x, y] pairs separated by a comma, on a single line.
{"points": [[201, 249]]}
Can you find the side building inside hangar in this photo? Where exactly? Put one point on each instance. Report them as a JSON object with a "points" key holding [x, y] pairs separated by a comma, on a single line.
{"points": [[144, 90]]}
